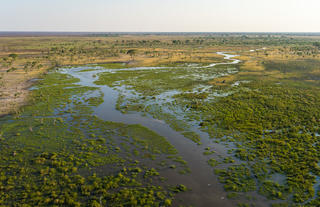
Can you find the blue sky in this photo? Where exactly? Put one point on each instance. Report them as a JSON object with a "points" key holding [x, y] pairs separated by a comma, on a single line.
{"points": [[161, 15]]}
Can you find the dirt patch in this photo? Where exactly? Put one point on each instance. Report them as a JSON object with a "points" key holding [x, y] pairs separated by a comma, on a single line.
{"points": [[14, 89]]}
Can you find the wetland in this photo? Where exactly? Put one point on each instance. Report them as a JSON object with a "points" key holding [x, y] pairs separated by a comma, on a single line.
{"points": [[203, 121]]}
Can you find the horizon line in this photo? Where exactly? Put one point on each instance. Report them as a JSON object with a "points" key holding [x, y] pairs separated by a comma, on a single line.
{"points": [[61, 33], [148, 31]]}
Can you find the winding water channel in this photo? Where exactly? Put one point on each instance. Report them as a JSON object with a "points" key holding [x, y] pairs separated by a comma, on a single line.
{"points": [[206, 189]]}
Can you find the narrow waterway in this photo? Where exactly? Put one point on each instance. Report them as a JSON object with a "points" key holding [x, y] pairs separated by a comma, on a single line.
{"points": [[206, 189]]}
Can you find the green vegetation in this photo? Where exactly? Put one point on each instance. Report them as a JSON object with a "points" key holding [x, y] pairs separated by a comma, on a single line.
{"points": [[273, 190], [261, 114], [193, 136], [55, 153], [237, 178], [212, 162], [272, 118], [302, 66]]}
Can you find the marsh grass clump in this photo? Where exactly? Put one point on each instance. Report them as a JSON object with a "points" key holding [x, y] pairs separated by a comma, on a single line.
{"points": [[148, 139], [95, 101], [193, 136], [237, 178], [192, 96], [233, 195], [207, 152], [212, 162], [179, 188], [274, 190]]}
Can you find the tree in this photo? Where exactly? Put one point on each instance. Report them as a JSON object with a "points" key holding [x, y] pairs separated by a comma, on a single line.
{"points": [[132, 53], [316, 44], [12, 69], [13, 56]]}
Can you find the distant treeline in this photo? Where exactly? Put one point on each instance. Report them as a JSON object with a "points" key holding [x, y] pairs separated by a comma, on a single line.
{"points": [[261, 34]]}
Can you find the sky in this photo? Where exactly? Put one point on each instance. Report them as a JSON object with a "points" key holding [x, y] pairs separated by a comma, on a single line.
{"points": [[160, 15]]}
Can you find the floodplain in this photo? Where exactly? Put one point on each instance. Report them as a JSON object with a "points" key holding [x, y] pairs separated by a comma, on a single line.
{"points": [[160, 120]]}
